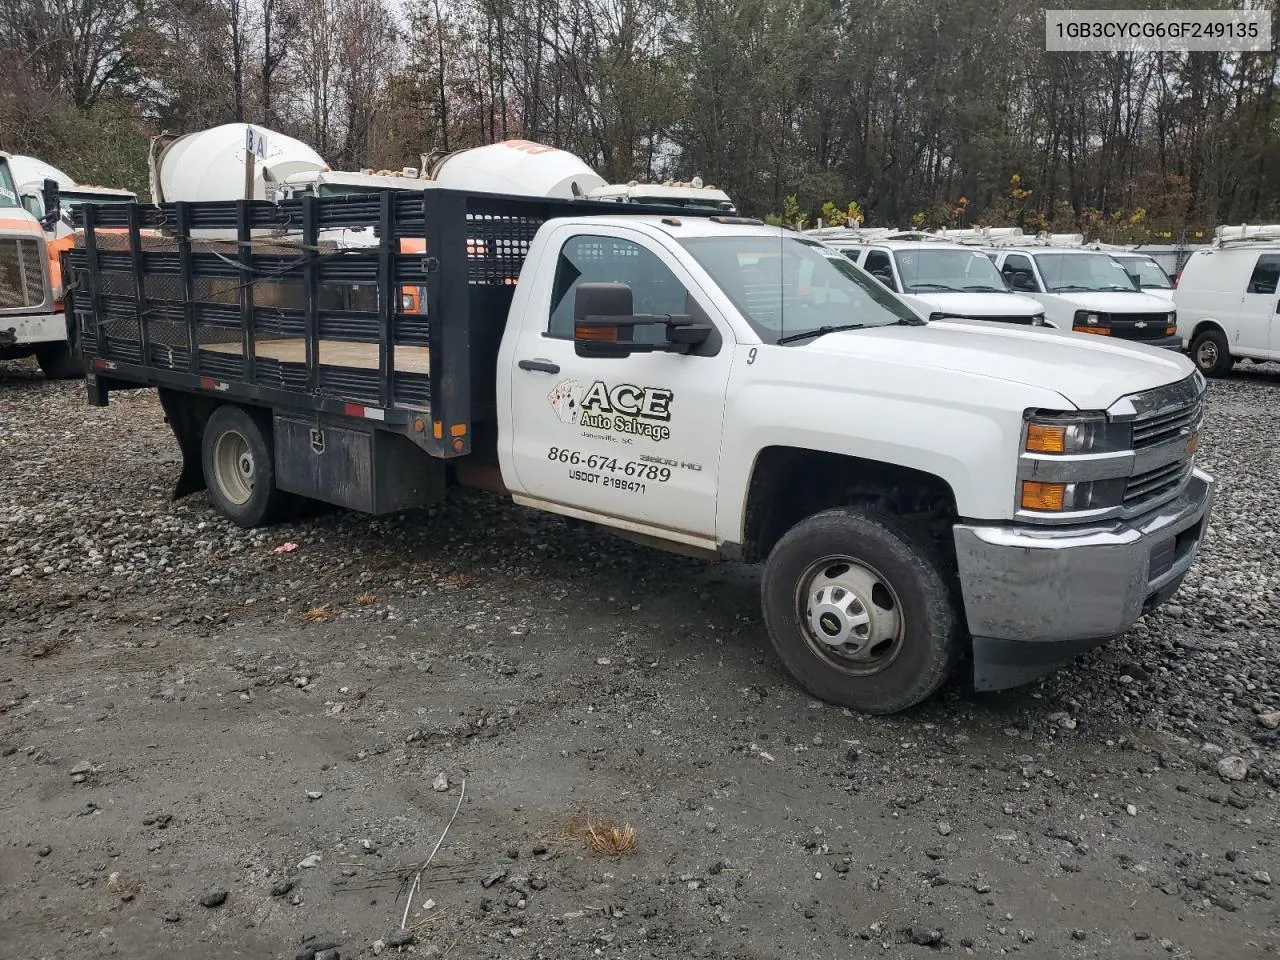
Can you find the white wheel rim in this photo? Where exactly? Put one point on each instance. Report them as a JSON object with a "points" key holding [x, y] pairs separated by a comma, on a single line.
{"points": [[233, 467]]}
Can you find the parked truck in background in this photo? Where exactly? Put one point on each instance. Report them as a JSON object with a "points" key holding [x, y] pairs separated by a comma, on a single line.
{"points": [[704, 384], [31, 318], [210, 165]]}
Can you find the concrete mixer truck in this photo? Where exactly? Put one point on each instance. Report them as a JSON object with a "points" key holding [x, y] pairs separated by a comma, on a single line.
{"points": [[526, 168], [210, 165]]}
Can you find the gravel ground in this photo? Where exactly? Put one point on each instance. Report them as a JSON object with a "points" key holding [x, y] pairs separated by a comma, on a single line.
{"points": [[211, 749]]}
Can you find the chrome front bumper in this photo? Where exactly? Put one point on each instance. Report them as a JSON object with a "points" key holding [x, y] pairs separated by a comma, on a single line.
{"points": [[18, 330], [1036, 596]]}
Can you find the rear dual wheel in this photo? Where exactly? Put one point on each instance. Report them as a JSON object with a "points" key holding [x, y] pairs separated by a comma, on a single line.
{"points": [[859, 611], [239, 469]]}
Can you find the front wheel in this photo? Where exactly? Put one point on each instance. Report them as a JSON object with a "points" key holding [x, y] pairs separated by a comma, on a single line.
{"points": [[1210, 352], [239, 469], [59, 362], [859, 611]]}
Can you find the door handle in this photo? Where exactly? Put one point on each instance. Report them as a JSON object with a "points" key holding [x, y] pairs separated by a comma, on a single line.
{"points": [[543, 366]]}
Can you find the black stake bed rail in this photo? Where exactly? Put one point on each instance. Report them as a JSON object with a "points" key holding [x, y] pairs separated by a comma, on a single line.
{"points": [[388, 306]]}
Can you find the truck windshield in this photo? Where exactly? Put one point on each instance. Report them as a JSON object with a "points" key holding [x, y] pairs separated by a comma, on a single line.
{"points": [[8, 192], [786, 285], [946, 271], [1149, 274], [1082, 272]]}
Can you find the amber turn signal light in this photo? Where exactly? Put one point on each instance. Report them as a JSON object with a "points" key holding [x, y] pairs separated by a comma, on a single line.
{"points": [[1043, 438], [585, 332], [1043, 496], [1099, 331]]}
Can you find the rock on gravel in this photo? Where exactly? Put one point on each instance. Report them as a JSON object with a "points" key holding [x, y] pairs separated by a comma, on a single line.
{"points": [[1233, 768], [213, 898]]}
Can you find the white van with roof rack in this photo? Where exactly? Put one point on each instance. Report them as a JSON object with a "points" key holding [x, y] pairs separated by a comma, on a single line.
{"points": [[1144, 269], [1082, 290], [1226, 299], [936, 278]]}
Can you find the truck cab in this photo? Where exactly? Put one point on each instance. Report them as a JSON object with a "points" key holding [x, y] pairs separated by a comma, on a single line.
{"points": [[778, 415], [31, 323]]}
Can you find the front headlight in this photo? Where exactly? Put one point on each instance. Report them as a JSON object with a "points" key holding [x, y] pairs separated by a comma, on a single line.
{"points": [[1080, 495], [1172, 327], [1070, 434], [1037, 320], [1090, 321], [1073, 462]]}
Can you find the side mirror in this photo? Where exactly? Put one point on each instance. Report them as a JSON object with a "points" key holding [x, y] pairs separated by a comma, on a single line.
{"points": [[604, 326], [1020, 280], [52, 201], [598, 312], [884, 276]]}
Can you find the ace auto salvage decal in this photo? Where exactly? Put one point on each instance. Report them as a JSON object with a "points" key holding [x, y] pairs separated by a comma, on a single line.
{"points": [[621, 409]]}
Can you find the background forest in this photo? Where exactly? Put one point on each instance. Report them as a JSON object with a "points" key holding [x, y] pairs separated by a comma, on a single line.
{"points": [[925, 112]]}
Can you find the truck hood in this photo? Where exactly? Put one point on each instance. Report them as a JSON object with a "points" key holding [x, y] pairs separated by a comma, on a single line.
{"points": [[1118, 301], [1090, 374], [974, 304]]}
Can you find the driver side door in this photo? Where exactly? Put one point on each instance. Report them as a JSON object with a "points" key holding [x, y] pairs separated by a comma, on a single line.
{"points": [[634, 439]]}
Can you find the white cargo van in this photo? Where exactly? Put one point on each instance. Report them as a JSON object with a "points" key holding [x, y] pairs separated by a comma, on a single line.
{"points": [[1146, 273], [940, 280], [1082, 290], [1226, 299]]}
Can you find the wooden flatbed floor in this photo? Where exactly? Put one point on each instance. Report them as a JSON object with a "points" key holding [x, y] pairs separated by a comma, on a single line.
{"points": [[334, 353]]}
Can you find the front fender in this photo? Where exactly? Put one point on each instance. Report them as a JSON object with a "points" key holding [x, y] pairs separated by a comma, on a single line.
{"points": [[969, 443]]}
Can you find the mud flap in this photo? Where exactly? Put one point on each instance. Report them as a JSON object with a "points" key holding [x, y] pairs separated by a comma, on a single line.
{"points": [[186, 415], [1001, 664]]}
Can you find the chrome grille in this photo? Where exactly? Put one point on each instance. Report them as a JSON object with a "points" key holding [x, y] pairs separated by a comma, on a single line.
{"points": [[22, 274], [1168, 424], [1148, 487], [1165, 421], [22, 283]]}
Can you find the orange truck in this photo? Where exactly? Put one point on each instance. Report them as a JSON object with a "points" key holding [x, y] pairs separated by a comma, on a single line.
{"points": [[35, 204]]}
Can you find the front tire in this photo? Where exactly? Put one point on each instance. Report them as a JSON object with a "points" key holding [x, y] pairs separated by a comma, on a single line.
{"points": [[59, 362], [1211, 353], [859, 611], [239, 469]]}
